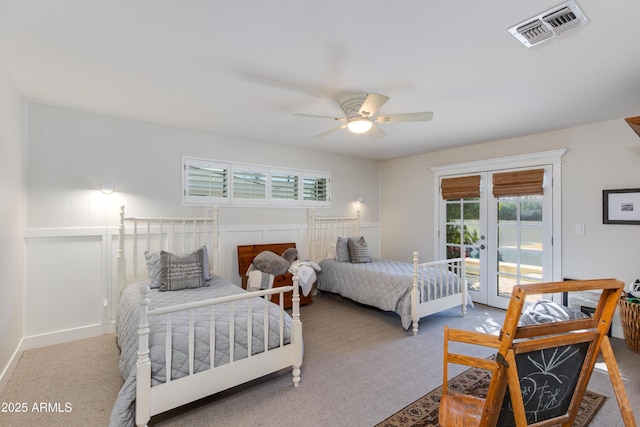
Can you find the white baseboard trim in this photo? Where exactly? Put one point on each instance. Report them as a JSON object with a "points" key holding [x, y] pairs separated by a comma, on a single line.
{"points": [[59, 337], [11, 366]]}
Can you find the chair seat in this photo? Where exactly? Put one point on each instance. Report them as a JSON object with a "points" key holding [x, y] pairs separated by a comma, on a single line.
{"points": [[458, 409]]}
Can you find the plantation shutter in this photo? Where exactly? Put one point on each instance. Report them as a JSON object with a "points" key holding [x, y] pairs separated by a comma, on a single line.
{"points": [[519, 183], [464, 187], [249, 184], [315, 188], [285, 188], [206, 182], [211, 182]]}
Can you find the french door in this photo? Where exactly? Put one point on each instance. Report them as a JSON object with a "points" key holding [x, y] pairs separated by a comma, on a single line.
{"points": [[507, 240]]}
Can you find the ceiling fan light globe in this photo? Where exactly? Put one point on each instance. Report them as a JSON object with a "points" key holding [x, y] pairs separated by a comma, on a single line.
{"points": [[360, 126]]}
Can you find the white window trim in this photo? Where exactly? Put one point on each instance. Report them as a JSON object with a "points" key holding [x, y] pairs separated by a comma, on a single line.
{"points": [[268, 201]]}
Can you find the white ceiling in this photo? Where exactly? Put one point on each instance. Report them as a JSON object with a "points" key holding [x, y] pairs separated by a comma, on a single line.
{"points": [[243, 69]]}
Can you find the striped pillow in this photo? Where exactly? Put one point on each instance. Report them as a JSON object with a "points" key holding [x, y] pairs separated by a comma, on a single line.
{"points": [[181, 271], [359, 250]]}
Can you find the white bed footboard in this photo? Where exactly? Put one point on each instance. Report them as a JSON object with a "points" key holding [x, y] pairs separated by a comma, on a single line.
{"points": [[437, 286], [152, 400]]}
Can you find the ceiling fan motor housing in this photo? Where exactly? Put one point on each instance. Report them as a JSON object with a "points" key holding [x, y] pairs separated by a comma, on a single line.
{"points": [[351, 106]]}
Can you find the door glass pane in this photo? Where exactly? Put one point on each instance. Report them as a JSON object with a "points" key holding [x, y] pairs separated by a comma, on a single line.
{"points": [[471, 233], [507, 236], [505, 286], [519, 242], [453, 212], [453, 233], [472, 263], [463, 236], [531, 210], [531, 237], [453, 251], [471, 209], [507, 210]]}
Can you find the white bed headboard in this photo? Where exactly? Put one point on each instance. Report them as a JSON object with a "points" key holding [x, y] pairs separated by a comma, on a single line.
{"points": [[137, 235], [325, 230]]}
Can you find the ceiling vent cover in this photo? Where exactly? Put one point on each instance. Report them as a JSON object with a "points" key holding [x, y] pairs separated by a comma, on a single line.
{"points": [[549, 24]]}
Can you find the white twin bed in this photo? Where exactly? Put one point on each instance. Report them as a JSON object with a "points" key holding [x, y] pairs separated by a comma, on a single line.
{"points": [[411, 289], [184, 333]]}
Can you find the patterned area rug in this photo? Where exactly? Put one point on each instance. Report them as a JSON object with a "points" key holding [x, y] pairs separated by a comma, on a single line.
{"points": [[424, 411]]}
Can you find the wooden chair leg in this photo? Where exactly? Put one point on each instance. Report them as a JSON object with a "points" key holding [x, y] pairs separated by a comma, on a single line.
{"points": [[616, 382]]}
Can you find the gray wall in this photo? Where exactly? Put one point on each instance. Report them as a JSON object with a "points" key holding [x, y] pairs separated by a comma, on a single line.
{"points": [[11, 223]]}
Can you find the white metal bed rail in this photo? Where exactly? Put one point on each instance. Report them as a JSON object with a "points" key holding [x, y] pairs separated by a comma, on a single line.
{"points": [[211, 304]]}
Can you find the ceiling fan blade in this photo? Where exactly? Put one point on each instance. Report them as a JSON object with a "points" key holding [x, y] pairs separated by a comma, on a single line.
{"points": [[376, 132], [320, 135], [408, 117], [372, 104], [342, 119]]}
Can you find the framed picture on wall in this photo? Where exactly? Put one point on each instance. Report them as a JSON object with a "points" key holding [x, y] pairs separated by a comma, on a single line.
{"points": [[621, 206]]}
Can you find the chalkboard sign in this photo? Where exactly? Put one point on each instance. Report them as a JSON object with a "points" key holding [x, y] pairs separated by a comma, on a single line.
{"points": [[548, 380]]}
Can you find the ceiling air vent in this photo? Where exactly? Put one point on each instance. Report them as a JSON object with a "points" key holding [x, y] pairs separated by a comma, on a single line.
{"points": [[549, 24]]}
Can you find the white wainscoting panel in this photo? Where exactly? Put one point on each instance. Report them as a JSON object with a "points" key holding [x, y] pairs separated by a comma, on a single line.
{"points": [[64, 283]]}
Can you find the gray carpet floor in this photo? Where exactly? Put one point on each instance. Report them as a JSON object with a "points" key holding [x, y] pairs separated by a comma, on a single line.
{"points": [[359, 367]]}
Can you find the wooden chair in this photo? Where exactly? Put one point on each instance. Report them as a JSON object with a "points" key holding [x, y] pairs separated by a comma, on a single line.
{"points": [[543, 368]]}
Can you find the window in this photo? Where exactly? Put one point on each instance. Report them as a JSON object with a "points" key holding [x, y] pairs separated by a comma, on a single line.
{"points": [[316, 189], [205, 182], [285, 187], [249, 185], [213, 182]]}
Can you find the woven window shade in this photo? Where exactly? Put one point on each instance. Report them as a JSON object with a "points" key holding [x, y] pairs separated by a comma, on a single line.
{"points": [[521, 183], [464, 187]]}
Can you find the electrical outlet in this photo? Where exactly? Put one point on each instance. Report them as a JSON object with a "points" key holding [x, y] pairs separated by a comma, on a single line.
{"points": [[580, 230]]}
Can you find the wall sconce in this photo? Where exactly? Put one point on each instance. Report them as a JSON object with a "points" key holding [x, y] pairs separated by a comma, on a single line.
{"points": [[107, 188], [359, 199]]}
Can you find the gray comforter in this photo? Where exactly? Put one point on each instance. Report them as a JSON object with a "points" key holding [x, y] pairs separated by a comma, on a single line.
{"points": [[127, 319], [382, 283]]}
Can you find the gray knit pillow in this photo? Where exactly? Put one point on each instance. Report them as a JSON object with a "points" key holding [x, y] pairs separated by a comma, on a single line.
{"points": [[359, 250]]}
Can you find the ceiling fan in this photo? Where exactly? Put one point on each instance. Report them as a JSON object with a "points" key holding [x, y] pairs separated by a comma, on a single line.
{"points": [[359, 113]]}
